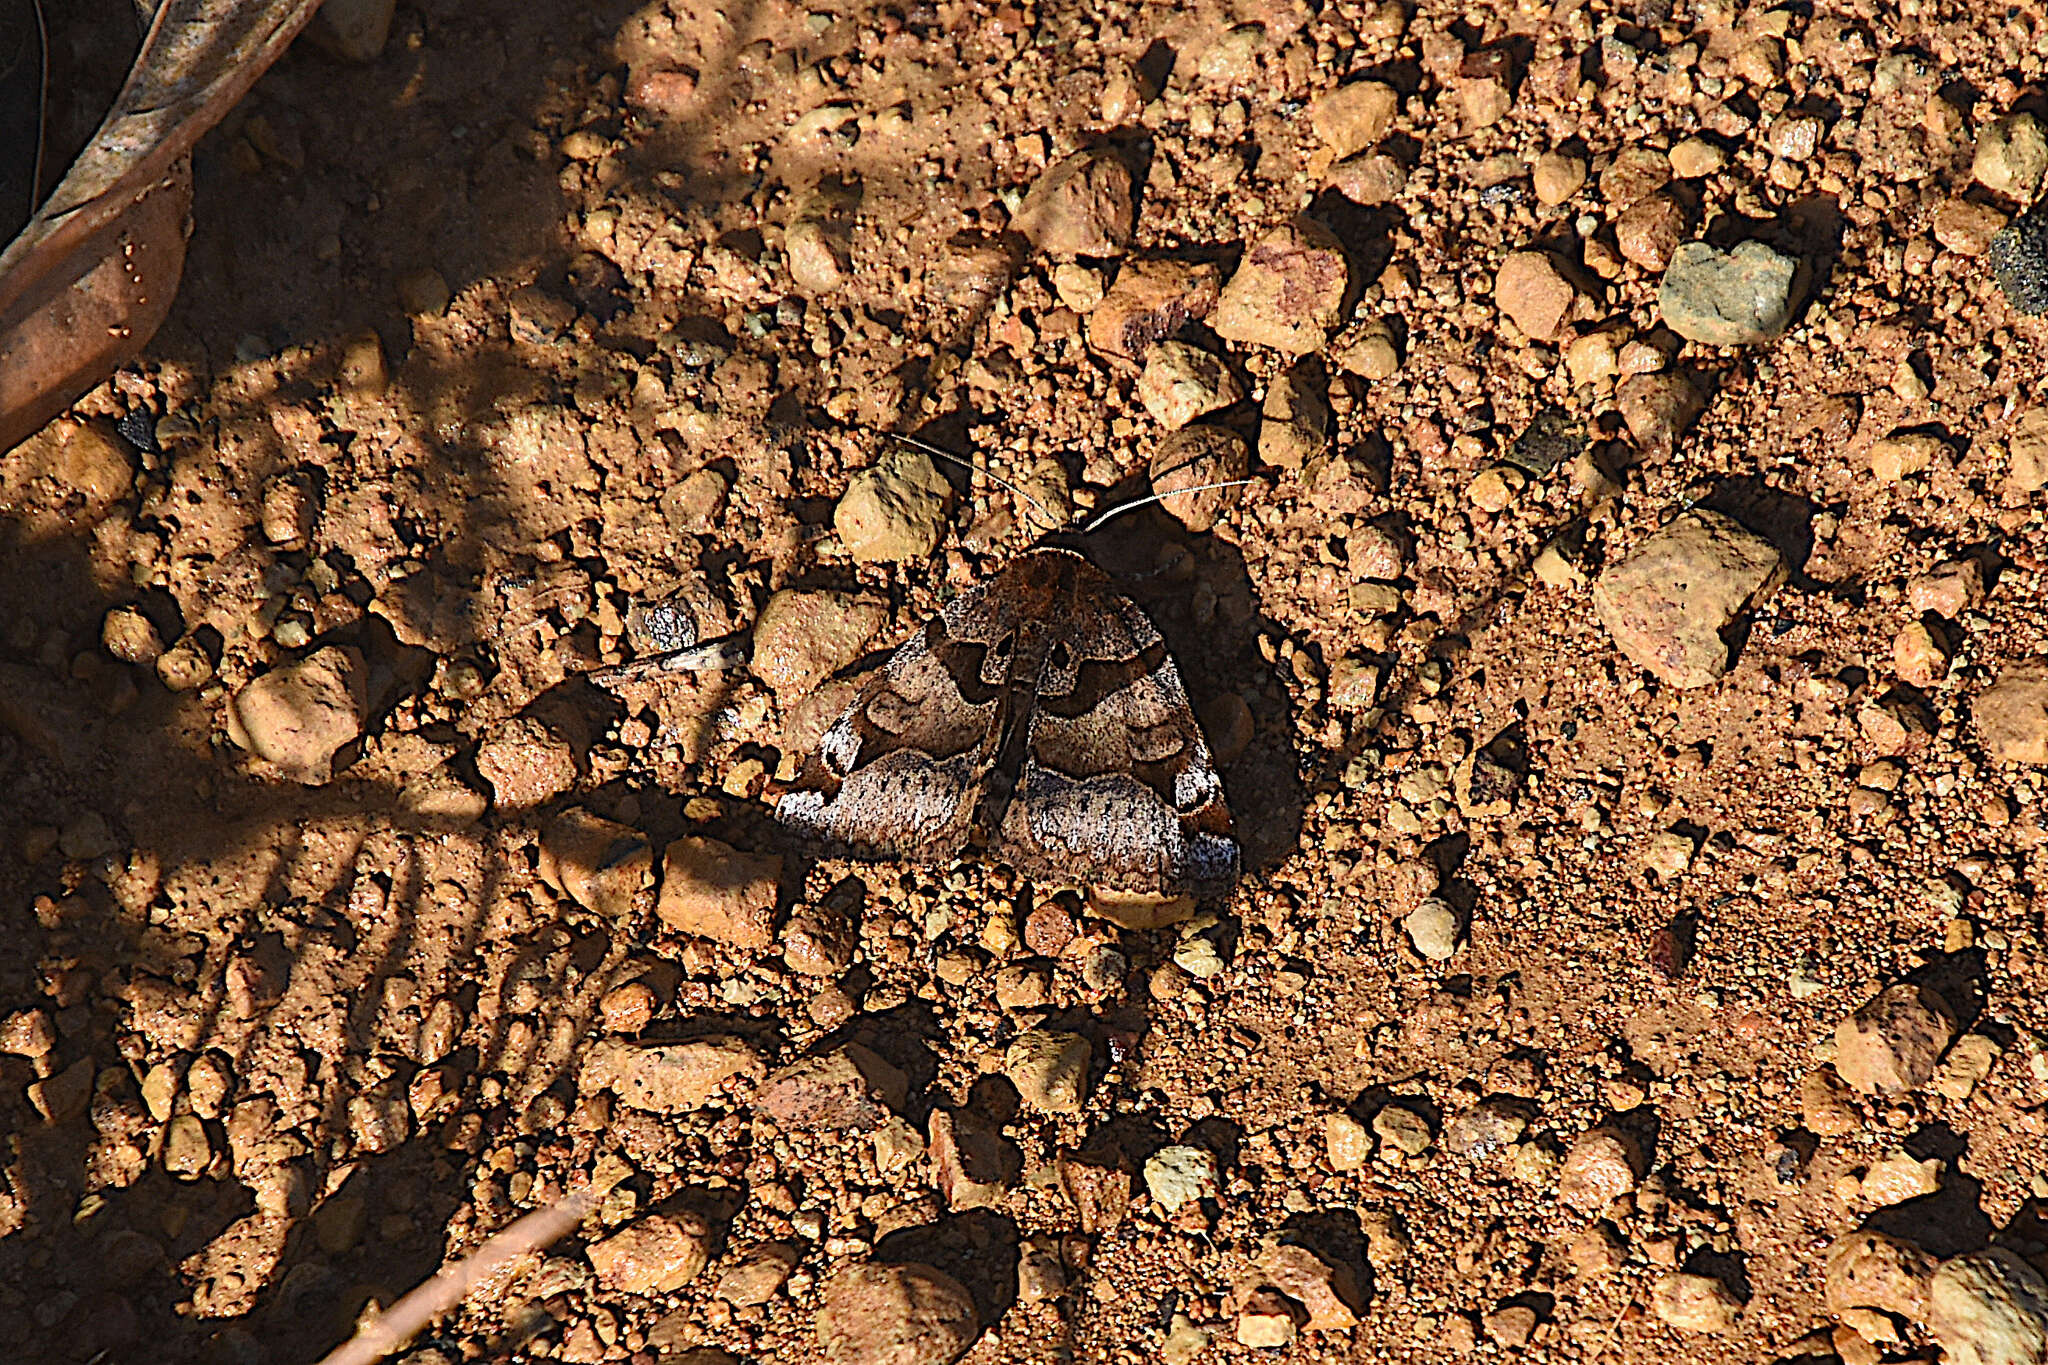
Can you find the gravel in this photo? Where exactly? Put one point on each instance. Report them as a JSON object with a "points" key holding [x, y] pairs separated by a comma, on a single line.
{"points": [[1601, 1165], [600, 864], [711, 890], [2012, 156], [591, 329], [1873, 1270], [1287, 291], [1199, 457], [1150, 300], [1182, 382], [1893, 1042], [656, 1255], [849, 1087], [1353, 118], [1049, 1069], [1433, 929], [1535, 294], [1082, 206], [669, 1078], [1178, 1175], [802, 637], [1695, 1303]]}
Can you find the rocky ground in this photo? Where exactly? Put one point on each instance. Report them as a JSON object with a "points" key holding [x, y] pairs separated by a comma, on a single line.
{"points": [[1626, 671]]}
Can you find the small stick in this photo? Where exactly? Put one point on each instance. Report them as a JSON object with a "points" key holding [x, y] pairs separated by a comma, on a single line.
{"points": [[390, 1330], [730, 652]]}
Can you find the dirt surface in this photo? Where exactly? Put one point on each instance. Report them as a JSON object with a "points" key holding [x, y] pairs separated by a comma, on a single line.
{"points": [[1555, 1015]]}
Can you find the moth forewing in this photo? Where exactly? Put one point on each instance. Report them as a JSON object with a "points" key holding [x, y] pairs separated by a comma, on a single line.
{"points": [[1041, 712]]}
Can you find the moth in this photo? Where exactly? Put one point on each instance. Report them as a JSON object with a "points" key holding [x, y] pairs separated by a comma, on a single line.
{"points": [[1040, 716]]}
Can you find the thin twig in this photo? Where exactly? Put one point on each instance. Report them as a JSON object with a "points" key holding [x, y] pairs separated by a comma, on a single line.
{"points": [[390, 1330]]}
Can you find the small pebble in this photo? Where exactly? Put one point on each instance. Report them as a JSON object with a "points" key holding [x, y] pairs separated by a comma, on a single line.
{"points": [[1558, 176], [130, 636], [1049, 1069], [1892, 1043], [1182, 382], [1740, 297], [1178, 1175], [1695, 1303], [1696, 158]]}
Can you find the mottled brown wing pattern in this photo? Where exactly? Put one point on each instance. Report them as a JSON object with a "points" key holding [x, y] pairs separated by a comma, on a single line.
{"points": [[904, 769], [1117, 788], [1043, 712]]}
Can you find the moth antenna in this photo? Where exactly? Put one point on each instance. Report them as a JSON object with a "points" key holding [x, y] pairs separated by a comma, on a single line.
{"points": [[1124, 507], [918, 443]]}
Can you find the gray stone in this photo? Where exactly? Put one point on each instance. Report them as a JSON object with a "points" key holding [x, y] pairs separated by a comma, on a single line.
{"points": [[1602, 1165], [1151, 300], [1734, 298], [759, 1275], [187, 1149], [526, 762], [817, 257], [1353, 117], [2011, 715], [1537, 296], [1296, 425], [1873, 1270], [130, 636], [1494, 1126], [1552, 437], [715, 891]]}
